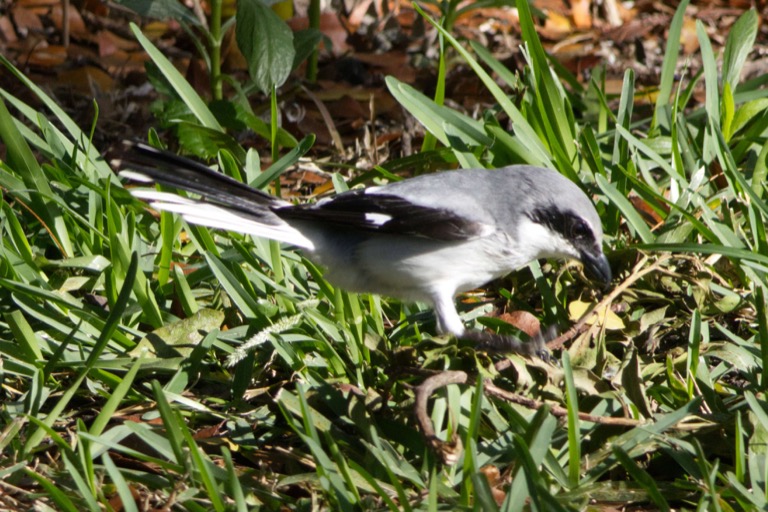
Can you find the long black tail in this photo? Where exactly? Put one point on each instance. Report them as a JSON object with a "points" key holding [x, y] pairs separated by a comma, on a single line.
{"points": [[224, 203], [182, 173]]}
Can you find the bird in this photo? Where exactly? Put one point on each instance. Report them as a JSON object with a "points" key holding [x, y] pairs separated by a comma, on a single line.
{"points": [[426, 238]]}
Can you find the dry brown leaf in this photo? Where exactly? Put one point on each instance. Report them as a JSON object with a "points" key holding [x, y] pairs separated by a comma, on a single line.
{"points": [[348, 108], [43, 5], [120, 42], [48, 56], [636, 28], [648, 213], [523, 320], [7, 32], [688, 38], [493, 476], [312, 178], [76, 24], [580, 10], [26, 20], [210, 431], [96, 7], [556, 26], [395, 63], [105, 43], [120, 62], [86, 80], [550, 6]]}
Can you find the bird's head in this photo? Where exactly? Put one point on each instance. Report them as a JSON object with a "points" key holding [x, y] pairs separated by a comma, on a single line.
{"points": [[568, 226]]}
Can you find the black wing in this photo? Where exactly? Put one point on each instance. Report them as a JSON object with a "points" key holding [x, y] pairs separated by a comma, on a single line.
{"points": [[388, 213]]}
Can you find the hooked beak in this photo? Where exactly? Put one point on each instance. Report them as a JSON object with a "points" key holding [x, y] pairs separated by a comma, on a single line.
{"points": [[596, 267]]}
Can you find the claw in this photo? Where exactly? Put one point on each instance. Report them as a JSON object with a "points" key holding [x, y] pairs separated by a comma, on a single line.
{"points": [[490, 342]]}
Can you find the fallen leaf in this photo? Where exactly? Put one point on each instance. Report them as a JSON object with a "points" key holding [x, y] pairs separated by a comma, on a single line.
{"points": [[180, 337], [48, 56], [7, 32], [688, 37], [26, 21], [603, 317], [523, 320], [580, 10], [556, 26], [76, 24], [87, 80]]}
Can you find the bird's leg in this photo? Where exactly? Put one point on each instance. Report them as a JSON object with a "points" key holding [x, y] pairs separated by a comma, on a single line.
{"points": [[448, 321]]}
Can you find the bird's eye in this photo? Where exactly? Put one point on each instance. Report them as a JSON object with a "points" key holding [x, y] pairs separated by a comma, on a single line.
{"points": [[579, 229]]}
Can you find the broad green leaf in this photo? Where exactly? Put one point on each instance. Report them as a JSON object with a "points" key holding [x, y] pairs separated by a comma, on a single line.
{"points": [[266, 42]]}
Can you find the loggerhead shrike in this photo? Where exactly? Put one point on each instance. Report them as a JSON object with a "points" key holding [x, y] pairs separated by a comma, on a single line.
{"points": [[426, 238]]}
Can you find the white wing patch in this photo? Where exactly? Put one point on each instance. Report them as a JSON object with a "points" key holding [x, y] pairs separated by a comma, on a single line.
{"points": [[378, 219]]}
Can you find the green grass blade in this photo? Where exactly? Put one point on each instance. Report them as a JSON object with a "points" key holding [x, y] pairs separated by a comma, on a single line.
{"points": [[24, 336], [202, 464], [235, 489], [434, 117], [669, 68], [574, 428], [173, 426], [712, 101], [177, 81], [87, 157], [635, 221], [57, 496], [115, 400], [738, 45], [553, 104], [121, 486]]}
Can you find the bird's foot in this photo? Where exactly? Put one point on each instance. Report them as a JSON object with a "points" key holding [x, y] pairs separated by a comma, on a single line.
{"points": [[491, 342]]}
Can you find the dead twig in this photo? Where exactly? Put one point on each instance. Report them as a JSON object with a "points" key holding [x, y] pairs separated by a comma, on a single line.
{"points": [[448, 451], [492, 390]]}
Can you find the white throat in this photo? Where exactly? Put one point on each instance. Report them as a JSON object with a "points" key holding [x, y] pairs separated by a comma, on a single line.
{"points": [[542, 242]]}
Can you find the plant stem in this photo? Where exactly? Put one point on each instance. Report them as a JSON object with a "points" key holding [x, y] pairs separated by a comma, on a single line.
{"points": [[314, 23], [215, 38]]}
